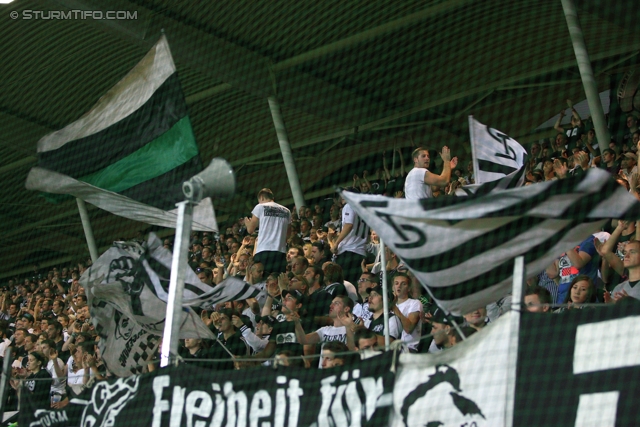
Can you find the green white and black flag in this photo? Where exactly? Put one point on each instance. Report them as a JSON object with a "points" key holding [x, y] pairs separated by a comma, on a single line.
{"points": [[462, 248], [132, 151]]}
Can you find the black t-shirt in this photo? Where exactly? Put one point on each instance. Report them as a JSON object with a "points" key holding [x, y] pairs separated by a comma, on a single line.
{"points": [[573, 136], [235, 344], [284, 334], [36, 392], [377, 326]]}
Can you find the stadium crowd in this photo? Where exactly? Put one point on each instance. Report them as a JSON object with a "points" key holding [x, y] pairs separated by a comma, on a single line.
{"points": [[319, 271]]}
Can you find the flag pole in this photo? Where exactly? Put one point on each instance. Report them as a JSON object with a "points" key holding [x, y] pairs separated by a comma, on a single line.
{"points": [[285, 149], [586, 71], [4, 381], [474, 156], [88, 231], [514, 332], [176, 283], [385, 296]]}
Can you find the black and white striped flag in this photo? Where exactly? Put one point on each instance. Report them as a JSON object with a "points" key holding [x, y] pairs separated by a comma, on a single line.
{"points": [[495, 154], [462, 248]]}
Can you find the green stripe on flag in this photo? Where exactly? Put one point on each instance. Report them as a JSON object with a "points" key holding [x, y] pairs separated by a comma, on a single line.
{"points": [[161, 155]]}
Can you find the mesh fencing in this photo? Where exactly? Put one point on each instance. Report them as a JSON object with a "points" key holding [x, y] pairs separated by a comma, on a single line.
{"points": [[301, 99]]}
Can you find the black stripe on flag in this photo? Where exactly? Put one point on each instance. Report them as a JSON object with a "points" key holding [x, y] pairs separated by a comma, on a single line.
{"points": [[95, 152], [487, 166], [165, 190], [478, 245], [500, 272]]}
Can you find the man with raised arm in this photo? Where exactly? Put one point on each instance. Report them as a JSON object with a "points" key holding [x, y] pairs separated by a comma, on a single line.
{"points": [[419, 180], [630, 264]]}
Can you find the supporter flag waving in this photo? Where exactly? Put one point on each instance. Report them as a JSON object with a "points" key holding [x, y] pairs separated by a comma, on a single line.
{"points": [[127, 292], [131, 152], [462, 248], [495, 154]]}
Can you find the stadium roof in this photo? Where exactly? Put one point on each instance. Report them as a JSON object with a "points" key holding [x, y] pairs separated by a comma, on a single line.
{"points": [[353, 78]]}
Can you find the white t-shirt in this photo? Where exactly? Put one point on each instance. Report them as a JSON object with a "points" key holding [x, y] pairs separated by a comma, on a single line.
{"points": [[59, 384], [414, 186], [331, 333], [356, 240], [74, 378], [411, 306], [274, 221]]}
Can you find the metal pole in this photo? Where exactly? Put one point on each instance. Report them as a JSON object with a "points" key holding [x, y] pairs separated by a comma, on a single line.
{"points": [[4, 380], [88, 231], [176, 283], [514, 331], [586, 72], [287, 155], [385, 295]]}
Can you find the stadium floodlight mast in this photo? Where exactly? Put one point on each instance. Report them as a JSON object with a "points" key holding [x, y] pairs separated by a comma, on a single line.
{"points": [[216, 181]]}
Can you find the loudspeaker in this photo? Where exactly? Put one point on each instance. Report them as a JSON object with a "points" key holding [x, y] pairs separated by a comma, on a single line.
{"points": [[216, 181]]}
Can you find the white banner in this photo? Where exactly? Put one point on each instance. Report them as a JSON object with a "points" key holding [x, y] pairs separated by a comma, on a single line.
{"points": [[465, 385]]}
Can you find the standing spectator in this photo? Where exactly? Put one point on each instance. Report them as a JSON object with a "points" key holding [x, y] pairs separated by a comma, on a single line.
{"points": [[408, 311], [273, 220], [57, 369], [574, 133], [632, 127], [35, 385], [351, 242], [340, 313], [537, 300], [420, 179]]}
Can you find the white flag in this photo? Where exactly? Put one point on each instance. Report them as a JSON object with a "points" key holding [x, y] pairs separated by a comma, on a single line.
{"points": [[461, 249], [495, 154]]}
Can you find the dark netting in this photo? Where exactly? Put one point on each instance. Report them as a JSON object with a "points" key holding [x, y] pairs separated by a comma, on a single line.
{"points": [[396, 168]]}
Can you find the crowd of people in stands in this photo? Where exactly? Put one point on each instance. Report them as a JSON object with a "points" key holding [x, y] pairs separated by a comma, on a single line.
{"points": [[319, 271]]}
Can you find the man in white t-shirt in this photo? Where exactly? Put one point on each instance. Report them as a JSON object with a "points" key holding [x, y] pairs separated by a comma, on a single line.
{"points": [[351, 243], [342, 329], [408, 311], [419, 180], [273, 220]]}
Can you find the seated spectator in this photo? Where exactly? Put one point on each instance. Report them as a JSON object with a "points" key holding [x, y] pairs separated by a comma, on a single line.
{"points": [[455, 337], [577, 261], [582, 291], [477, 319], [335, 354], [441, 326], [288, 358], [537, 299]]}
